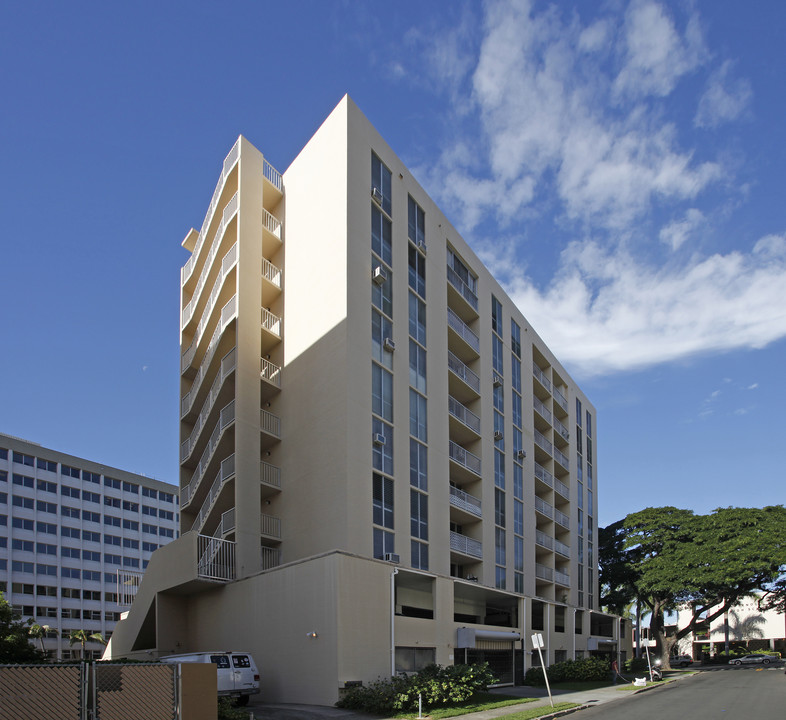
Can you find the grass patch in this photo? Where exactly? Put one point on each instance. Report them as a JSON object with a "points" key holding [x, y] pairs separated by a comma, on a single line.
{"points": [[479, 701], [537, 712]]}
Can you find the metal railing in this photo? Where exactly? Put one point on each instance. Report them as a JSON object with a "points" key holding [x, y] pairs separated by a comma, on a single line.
{"points": [[543, 507], [561, 429], [273, 176], [228, 313], [229, 262], [463, 414], [466, 502], [562, 488], [227, 524], [542, 409], [229, 212], [462, 329], [562, 578], [225, 472], [271, 557], [561, 548], [271, 223], [457, 367], [269, 423], [544, 540], [540, 375], [271, 322], [561, 400], [464, 457], [271, 273], [215, 558], [228, 363], [270, 475], [465, 545], [542, 442], [229, 163], [464, 290], [562, 519], [128, 582], [544, 475], [270, 372], [562, 459], [543, 572], [270, 526]]}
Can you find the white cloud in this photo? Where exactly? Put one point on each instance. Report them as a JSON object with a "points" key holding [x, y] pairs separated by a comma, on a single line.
{"points": [[753, 387], [724, 99], [676, 233]]}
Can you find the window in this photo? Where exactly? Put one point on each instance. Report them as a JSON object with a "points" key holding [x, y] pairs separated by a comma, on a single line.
{"points": [[516, 373], [417, 271], [93, 497], [536, 610], [24, 545], [91, 516], [381, 233], [382, 494], [72, 593], [496, 356], [518, 554], [518, 481], [69, 471], [499, 507], [559, 618], [152, 529], [46, 528], [130, 543], [382, 294], [25, 502], [149, 547], [499, 469], [496, 315], [589, 425], [3, 454], [112, 559], [131, 562], [130, 506], [66, 491], [500, 578], [66, 511], [418, 506], [111, 501], [381, 393], [166, 515], [70, 552], [130, 525], [417, 319], [418, 465], [3, 498], [18, 523], [130, 487], [383, 543], [168, 532], [381, 328], [417, 415], [381, 181], [462, 271], [3, 476], [46, 486], [518, 517], [23, 480], [382, 453], [499, 431], [68, 572], [166, 497], [111, 520], [23, 459], [499, 546], [91, 536], [91, 555], [416, 227], [417, 367], [47, 507], [42, 569], [149, 492], [579, 621], [419, 554], [515, 338]]}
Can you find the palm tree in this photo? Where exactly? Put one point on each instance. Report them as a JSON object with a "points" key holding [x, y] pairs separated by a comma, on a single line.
{"points": [[82, 637], [39, 632]]}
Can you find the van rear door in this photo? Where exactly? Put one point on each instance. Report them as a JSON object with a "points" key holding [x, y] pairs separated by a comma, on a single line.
{"points": [[225, 675], [243, 672]]}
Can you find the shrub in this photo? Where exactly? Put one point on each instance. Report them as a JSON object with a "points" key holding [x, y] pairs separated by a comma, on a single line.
{"points": [[228, 711], [438, 686], [635, 665], [583, 670]]}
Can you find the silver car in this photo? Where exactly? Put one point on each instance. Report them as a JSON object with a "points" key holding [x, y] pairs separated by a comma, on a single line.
{"points": [[753, 659]]}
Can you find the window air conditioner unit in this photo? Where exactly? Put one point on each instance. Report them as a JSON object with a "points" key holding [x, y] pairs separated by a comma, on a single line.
{"points": [[379, 275], [497, 380], [498, 435], [389, 345], [422, 246], [379, 439], [521, 454], [376, 193], [392, 557]]}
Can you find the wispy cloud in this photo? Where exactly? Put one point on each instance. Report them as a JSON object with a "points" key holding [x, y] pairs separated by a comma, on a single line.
{"points": [[552, 117]]}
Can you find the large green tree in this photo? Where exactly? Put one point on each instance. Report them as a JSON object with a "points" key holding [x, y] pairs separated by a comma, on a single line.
{"points": [[14, 638], [672, 558]]}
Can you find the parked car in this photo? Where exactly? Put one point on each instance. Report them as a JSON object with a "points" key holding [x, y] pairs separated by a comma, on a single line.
{"points": [[680, 660], [237, 672], [753, 659]]}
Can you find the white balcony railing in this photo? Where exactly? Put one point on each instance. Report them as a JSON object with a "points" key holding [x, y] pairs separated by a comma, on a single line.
{"points": [[561, 400], [542, 409], [542, 442], [270, 424], [544, 540], [270, 372], [225, 472], [562, 459], [465, 545], [464, 415], [272, 224], [561, 548], [540, 375], [466, 502], [228, 364], [561, 429], [562, 519], [271, 322], [463, 331], [464, 457], [271, 273], [457, 367], [270, 526], [229, 163], [273, 176], [464, 289], [544, 475], [562, 578], [215, 558], [270, 475], [271, 557], [562, 489], [228, 313], [544, 508]]}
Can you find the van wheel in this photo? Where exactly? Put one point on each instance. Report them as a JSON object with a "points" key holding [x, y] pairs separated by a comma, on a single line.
{"points": [[242, 700]]}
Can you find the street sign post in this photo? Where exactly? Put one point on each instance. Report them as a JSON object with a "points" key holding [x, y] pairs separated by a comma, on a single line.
{"points": [[537, 642]]}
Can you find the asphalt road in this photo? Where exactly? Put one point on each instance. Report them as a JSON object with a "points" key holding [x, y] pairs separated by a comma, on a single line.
{"points": [[742, 693]]}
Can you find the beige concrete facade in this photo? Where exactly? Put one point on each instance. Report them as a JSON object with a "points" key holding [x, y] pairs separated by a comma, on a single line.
{"points": [[366, 415]]}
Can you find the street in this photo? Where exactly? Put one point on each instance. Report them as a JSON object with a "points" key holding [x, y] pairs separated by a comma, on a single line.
{"points": [[735, 692]]}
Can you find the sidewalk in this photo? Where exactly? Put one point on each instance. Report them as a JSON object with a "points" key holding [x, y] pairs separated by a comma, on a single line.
{"points": [[264, 711]]}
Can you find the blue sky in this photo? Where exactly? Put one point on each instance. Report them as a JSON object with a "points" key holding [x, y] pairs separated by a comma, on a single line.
{"points": [[618, 164]]}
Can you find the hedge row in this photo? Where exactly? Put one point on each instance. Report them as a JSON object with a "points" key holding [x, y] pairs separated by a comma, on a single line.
{"points": [[591, 668]]}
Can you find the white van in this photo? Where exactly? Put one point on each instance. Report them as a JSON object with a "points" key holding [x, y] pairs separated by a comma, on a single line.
{"points": [[238, 676]]}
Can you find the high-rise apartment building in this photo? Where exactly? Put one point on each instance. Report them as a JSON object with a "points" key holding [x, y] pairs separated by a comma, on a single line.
{"points": [[68, 528], [382, 464]]}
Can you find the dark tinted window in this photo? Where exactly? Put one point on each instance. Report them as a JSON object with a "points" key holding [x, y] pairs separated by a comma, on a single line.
{"points": [[221, 660]]}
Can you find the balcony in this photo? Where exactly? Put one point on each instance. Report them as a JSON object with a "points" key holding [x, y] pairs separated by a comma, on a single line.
{"points": [[543, 443], [562, 578], [271, 329], [465, 545], [466, 502], [229, 163], [560, 399], [561, 519], [544, 475], [542, 410], [228, 314], [541, 377], [562, 430], [270, 527], [562, 489], [544, 540], [464, 458], [461, 296], [271, 557], [270, 374], [461, 371], [469, 346], [226, 472], [273, 179], [228, 364], [270, 426], [271, 281], [561, 548], [270, 478], [544, 573], [468, 426], [271, 235], [544, 508], [562, 459]]}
